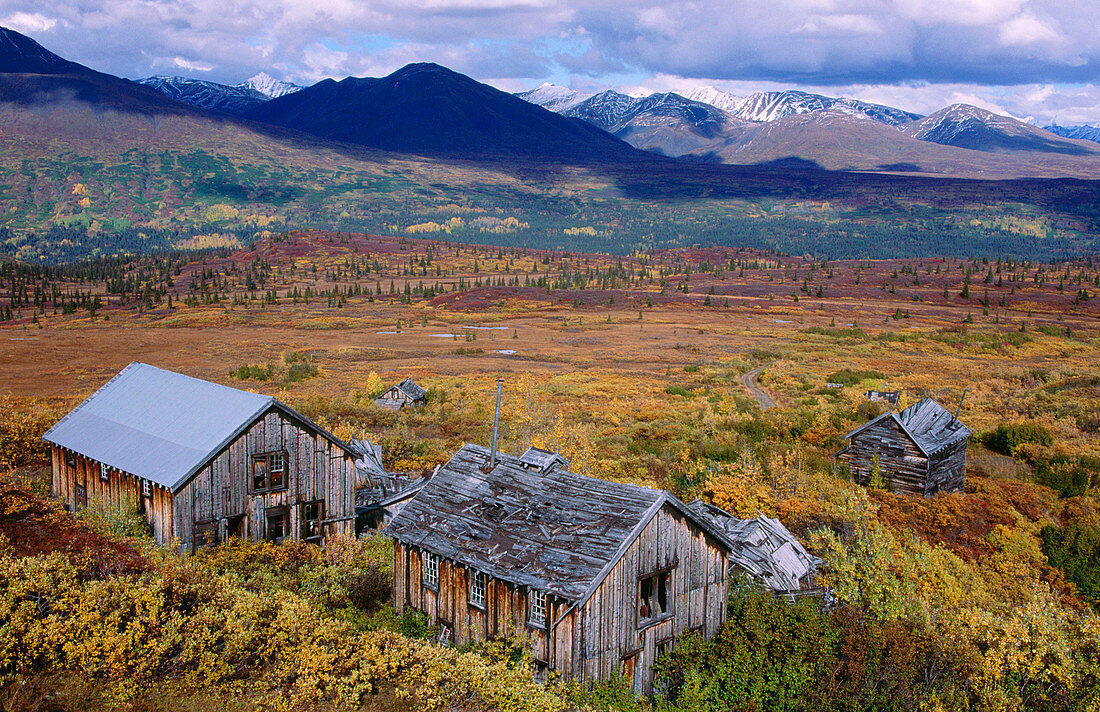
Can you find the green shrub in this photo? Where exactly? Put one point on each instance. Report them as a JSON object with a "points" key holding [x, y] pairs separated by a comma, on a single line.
{"points": [[300, 371], [1075, 549], [1072, 477], [1006, 438], [677, 391], [252, 372], [851, 377]]}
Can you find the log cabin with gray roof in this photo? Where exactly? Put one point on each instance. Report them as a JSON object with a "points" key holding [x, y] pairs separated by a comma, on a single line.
{"points": [[403, 395], [203, 461], [603, 576], [920, 450]]}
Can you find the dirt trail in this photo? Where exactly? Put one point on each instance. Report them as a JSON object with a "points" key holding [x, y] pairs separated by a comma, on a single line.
{"points": [[751, 382]]}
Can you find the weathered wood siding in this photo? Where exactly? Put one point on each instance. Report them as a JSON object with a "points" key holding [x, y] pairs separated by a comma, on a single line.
{"points": [[598, 639], [609, 638], [947, 469], [120, 491], [905, 469], [903, 466], [316, 470]]}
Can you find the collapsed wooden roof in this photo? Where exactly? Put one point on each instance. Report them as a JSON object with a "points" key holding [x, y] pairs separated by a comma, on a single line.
{"points": [[929, 425], [763, 548], [530, 521]]}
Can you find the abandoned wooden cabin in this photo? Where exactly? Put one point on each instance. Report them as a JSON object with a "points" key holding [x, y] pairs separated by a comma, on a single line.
{"points": [[766, 551], [382, 493], [203, 461], [603, 576], [890, 397], [921, 450], [403, 395]]}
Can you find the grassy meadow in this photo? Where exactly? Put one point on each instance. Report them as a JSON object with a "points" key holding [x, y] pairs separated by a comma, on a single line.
{"points": [[632, 367]]}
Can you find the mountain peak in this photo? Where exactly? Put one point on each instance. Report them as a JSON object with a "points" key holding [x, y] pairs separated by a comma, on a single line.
{"points": [[267, 85], [22, 55]]}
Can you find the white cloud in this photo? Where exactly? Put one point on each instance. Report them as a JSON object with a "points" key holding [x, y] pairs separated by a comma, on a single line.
{"points": [[29, 22], [191, 66], [1026, 29]]}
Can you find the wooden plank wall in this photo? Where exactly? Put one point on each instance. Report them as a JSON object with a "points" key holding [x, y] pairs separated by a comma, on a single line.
{"points": [[317, 469], [607, 631], [947, 469], [592, 642], [902, 463], [120, 491], [506, 611]]}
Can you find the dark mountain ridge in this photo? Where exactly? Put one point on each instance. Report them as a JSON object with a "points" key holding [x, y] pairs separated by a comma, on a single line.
{"points": [[428, 109]]}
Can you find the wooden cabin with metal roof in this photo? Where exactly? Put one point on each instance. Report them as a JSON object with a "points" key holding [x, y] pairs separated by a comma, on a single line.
{"points": [[920, 450], [602, 576], [403, 395], [203, 461]]}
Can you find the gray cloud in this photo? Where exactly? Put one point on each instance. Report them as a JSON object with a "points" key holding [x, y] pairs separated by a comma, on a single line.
{"points": [[1016, 45]]}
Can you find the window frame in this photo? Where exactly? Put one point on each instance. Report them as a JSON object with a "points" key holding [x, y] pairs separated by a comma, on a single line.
{"points": [[70, 459], [657, 577], [81, 495], [268, 459], [477, 589], [281, 511], [429, 570], [146, 488], [536, 601], [104, 472], [319, 535]]}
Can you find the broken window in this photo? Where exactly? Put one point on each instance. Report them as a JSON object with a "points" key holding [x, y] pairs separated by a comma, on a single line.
{"points": [[430, 570], [276, 524], [268, 471], [653, 600], [70, 460], [477, 588], [312, 514], [538, 608], [81, 497]]}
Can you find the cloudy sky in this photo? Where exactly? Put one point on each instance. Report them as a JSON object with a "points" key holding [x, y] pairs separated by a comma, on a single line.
{"points": [[1037, 59]]}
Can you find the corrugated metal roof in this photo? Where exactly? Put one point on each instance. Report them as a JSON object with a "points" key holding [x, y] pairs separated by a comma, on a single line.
{"points": [[552, 530], [931, 426], [160, 425]]}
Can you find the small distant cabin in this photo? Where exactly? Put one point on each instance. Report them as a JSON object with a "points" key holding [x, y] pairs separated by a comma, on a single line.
{"points": [[602, 576], [890, 397], [766, 551], [203, 461], [403, 395], [921, 450]]}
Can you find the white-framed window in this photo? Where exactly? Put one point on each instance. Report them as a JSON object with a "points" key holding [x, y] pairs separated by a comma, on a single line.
{"points": [[538, 607], [104, 473], [431, 570], [477, 588], [146, 488]]}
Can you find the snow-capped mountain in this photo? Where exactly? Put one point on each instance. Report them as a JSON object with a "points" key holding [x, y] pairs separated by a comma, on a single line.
{"points": [[606, 109], [267, 85], [772, 105], [715, 97], [556, 98], [1083, 132], [206, 95], [968, 126], [672, 125]]}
